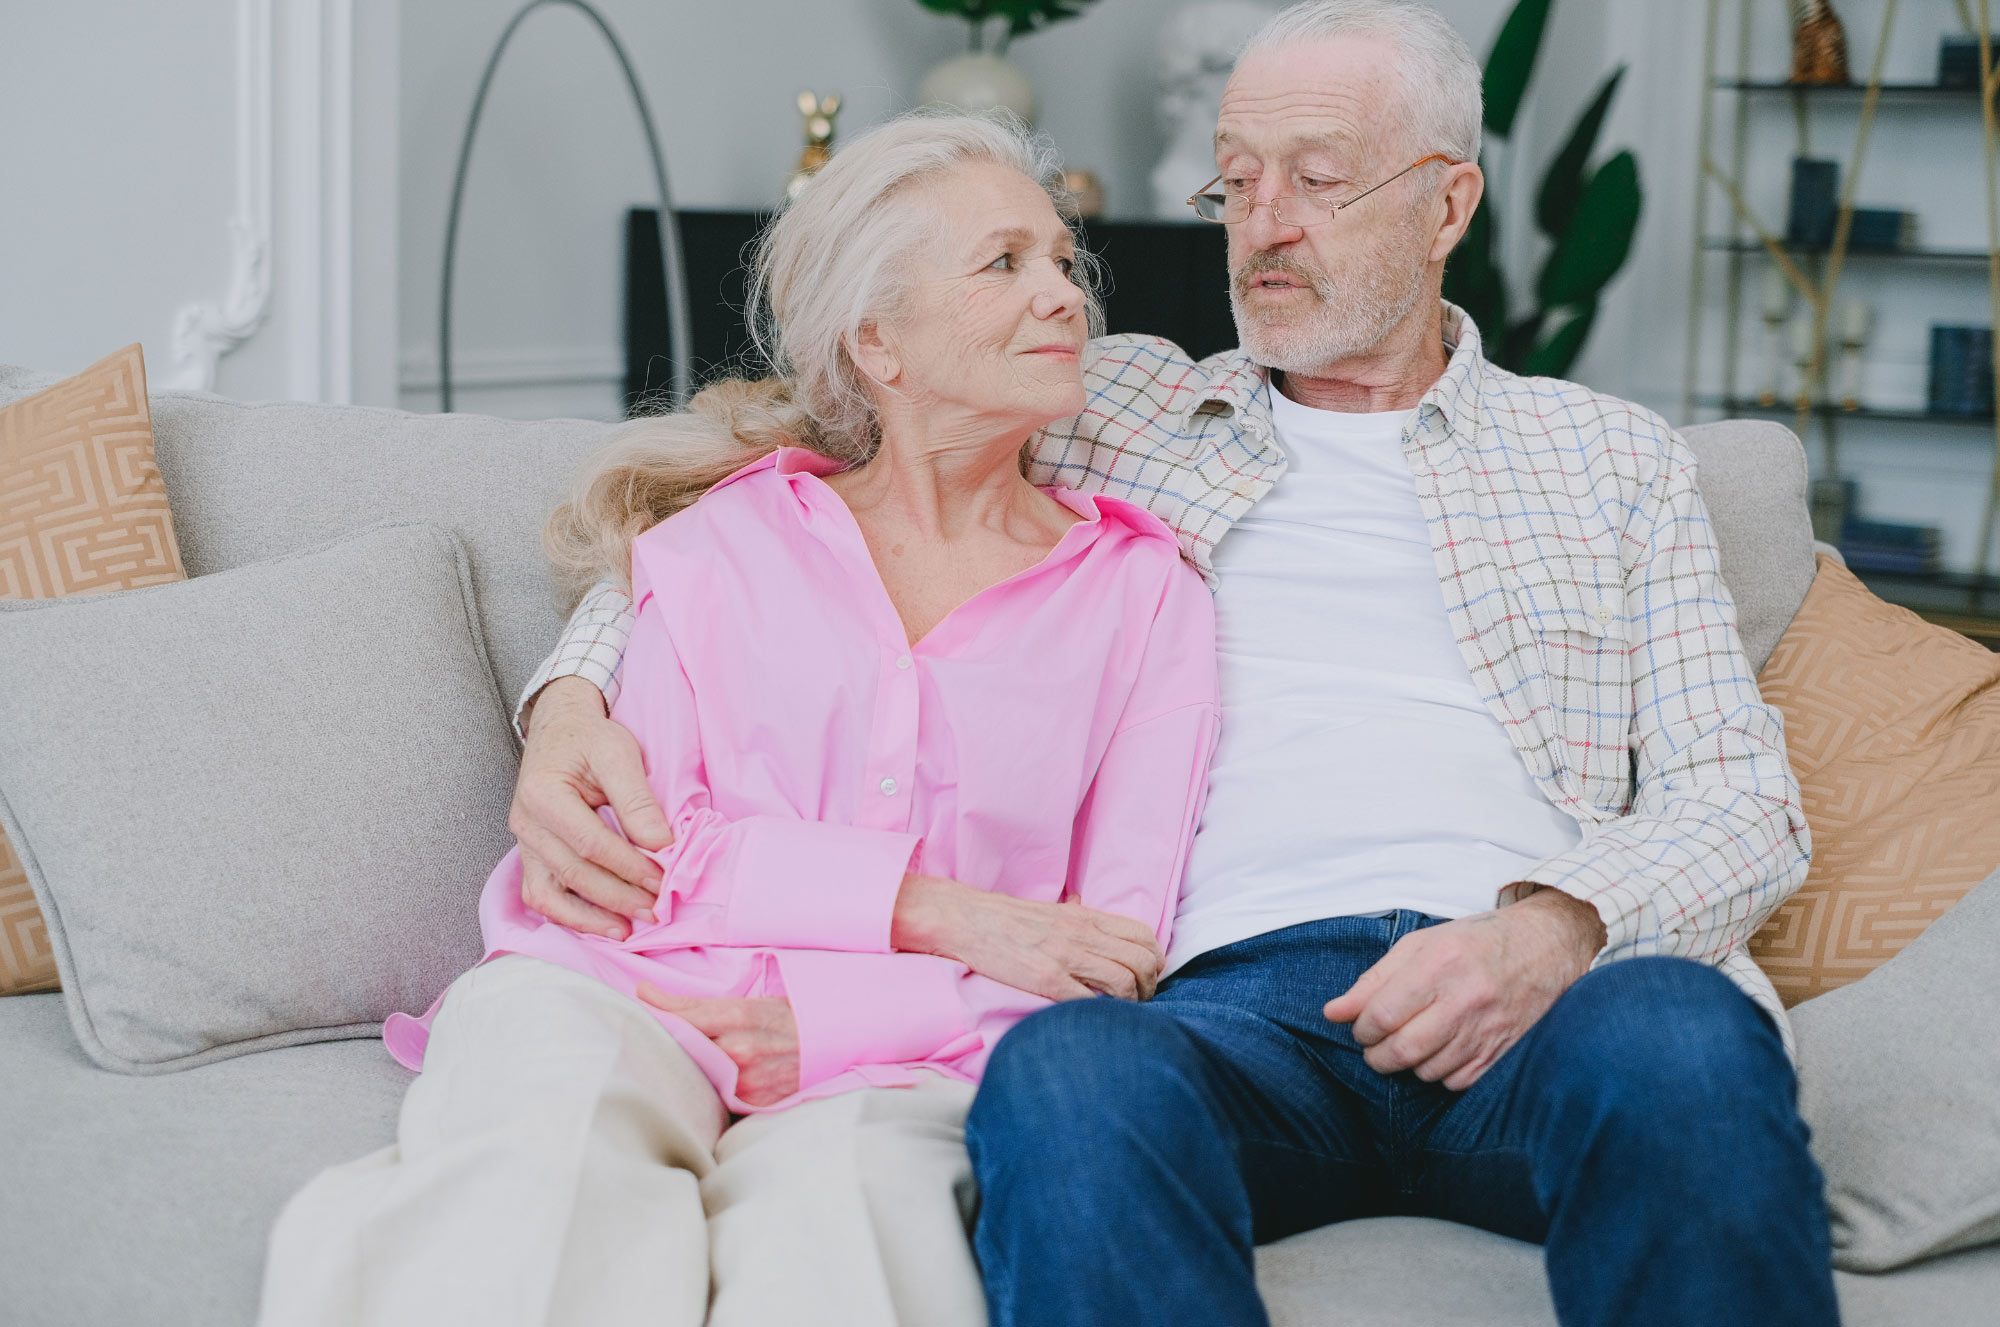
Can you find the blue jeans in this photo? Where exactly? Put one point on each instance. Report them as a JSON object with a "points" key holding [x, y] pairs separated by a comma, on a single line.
{"points": [[1644, 1131]]}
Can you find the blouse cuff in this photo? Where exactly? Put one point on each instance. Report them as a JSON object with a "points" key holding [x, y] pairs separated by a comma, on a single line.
{"points": [[855, 1009], [812, 884]]}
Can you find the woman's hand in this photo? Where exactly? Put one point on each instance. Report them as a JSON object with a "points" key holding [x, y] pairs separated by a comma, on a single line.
{"points": [[757, 1032], [1063, 951]]}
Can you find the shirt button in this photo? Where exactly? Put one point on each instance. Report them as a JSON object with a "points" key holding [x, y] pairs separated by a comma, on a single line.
{"points": [[888, 787], [903, 662], [1604, 615]]}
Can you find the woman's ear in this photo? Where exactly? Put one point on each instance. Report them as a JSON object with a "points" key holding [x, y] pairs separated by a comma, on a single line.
{"points": [[875, 354]]}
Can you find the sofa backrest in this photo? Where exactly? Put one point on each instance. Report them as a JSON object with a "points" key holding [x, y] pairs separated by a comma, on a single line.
{"points": [[248, 482], [253, 481], [1752, 475]]}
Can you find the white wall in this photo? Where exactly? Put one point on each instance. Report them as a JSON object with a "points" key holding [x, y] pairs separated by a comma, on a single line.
{"points": [[230, 154]]}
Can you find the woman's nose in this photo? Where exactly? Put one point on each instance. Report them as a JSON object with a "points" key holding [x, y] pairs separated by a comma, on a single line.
{"points": [[1059, 294]]}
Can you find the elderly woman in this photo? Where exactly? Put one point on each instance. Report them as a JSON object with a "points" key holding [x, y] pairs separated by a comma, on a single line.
{"points": [[895, 701]]}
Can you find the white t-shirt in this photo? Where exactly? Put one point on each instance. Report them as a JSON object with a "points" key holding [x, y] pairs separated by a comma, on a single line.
{"points": [[1358, 770]]}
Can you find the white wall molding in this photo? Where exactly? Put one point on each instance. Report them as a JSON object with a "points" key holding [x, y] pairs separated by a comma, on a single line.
{"points": [[203, 332], [316, 54], [294, 226]]}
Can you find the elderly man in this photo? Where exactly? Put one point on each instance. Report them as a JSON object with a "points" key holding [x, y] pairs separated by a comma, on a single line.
{"points": [[1496, 810]]}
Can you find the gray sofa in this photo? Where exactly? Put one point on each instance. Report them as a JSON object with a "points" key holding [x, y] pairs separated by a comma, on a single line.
{"points": [[134, 1199]]}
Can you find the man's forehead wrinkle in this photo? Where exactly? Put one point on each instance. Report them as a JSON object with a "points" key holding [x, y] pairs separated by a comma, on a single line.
{"points": [[1329, 121]]}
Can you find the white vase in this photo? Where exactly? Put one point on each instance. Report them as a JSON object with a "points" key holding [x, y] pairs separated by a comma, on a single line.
{"points": [[979, 83]]}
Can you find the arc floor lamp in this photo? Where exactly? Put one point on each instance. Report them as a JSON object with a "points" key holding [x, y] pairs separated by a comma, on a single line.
{"points": [[670, 232]]}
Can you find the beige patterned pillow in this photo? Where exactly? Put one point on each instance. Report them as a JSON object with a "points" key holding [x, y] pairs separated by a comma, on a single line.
{"points": [[82, 511], [1893, 725]]}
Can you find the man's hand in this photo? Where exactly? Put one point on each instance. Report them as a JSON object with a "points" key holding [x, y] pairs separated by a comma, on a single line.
{"points": [[759, 1033], [575, 869], [1449, 1000], [1062, 951]]}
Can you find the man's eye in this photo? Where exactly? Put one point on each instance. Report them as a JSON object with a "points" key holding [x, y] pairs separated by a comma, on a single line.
{"points": [[1236, 186]]}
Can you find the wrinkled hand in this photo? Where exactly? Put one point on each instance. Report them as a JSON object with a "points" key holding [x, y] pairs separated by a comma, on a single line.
{"points": [[1449, 1000], [1062, 951], [575, 869], [758, 1032]]}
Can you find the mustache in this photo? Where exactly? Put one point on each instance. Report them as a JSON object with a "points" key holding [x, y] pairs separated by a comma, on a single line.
{"points": [[1258, 265]]}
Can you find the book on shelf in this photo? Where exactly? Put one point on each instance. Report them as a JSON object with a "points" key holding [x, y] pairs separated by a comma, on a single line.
{"points": [[1815, 202], [1961, 371], [1891, 546]]}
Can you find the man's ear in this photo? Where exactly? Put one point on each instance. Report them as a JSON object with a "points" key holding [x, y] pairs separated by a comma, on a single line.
{"points": [[875, 354], [1463, 188]]}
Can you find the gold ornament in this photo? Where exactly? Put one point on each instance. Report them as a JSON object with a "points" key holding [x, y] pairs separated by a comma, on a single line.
{"points": [[818, 113], [1086, 192], [1819, 44]]}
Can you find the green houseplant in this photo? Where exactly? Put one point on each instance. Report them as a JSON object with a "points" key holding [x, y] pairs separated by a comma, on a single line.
{"points": [[1022, 16], [1589, 215]]}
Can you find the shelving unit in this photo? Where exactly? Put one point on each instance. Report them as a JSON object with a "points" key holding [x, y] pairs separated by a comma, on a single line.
{"points": [[1749, 246]]}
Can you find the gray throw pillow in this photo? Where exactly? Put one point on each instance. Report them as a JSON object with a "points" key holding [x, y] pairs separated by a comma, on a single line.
{"points": [[257, 806], [1899, 1077]]}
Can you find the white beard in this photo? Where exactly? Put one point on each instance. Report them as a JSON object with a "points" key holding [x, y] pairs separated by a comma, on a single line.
{"points": [[1347, 318]]}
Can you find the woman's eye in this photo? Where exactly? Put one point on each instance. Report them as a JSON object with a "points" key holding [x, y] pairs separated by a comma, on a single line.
{"points": [[1004, 263], [1066, 266]]}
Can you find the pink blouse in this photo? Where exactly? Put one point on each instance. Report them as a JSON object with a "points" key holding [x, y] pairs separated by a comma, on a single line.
{"points": [[1049, 739]]}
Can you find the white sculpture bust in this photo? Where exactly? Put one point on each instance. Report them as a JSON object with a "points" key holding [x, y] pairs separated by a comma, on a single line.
{"points": [[1197, 48]]}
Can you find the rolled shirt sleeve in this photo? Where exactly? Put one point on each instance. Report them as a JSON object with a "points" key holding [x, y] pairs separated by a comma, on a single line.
{"points": [[591, 646]]}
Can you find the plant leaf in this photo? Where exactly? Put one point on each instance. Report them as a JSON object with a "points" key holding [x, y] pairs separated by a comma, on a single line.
{"points": [[1553, 357], [1512, 63], [1513, 348], [1598, 238], [1472, 278], [1563, 184], [1025, 16]]}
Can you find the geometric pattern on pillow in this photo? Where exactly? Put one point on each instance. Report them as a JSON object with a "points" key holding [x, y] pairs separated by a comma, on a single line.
{"points": [[1893, 727], [82, 511]]}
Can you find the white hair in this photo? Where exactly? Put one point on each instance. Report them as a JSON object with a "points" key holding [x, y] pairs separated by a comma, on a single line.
{"points": [[845, 253], [842, 255], [1443, 80]]}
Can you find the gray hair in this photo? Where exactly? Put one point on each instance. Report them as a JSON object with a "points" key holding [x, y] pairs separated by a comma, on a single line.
{"points": [[1444, 81], [842, 255]]}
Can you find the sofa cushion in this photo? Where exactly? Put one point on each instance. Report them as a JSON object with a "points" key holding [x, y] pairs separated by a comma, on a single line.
{"points": [[82, 511], [1899, 1077], [257, 806], [1893, 726], [1752, 475], [149, 1200]]}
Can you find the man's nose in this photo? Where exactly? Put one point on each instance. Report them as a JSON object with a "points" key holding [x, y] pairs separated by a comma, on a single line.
{"points": [[1262, 229]]}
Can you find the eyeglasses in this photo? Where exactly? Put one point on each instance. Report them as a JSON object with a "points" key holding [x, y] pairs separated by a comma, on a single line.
{"points": [[1288, 209]]}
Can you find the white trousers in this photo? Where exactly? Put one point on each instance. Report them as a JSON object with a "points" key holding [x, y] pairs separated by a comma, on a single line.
{"points": [[562, 1161]]}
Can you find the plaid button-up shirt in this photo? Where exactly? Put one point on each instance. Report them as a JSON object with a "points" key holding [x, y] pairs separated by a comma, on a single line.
{"points": [[1578, 574]]}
